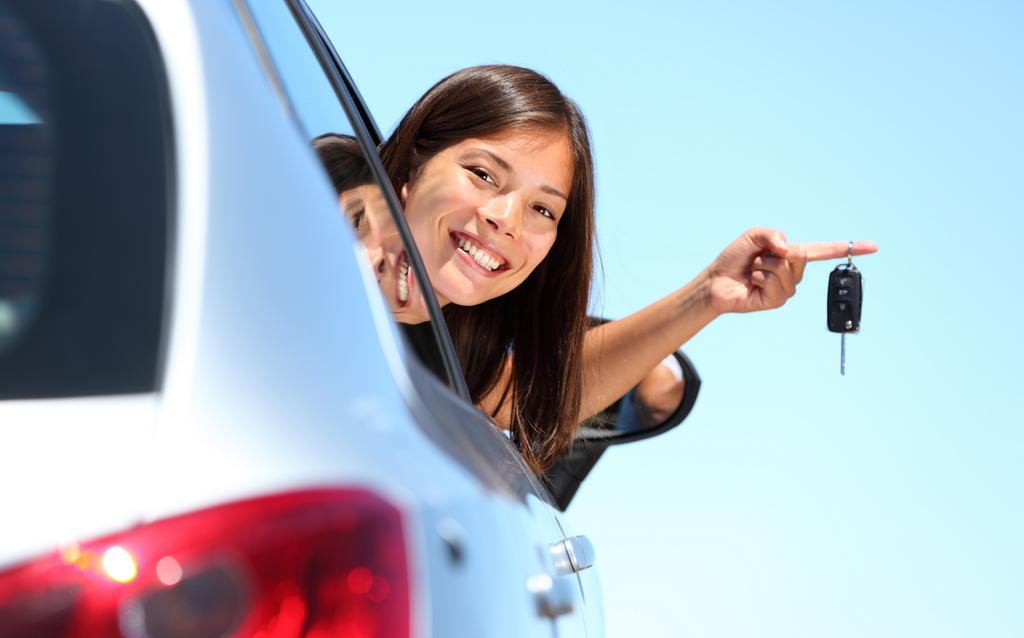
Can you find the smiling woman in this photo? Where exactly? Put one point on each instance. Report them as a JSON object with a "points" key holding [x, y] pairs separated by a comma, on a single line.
{"points": [[495, 170]]}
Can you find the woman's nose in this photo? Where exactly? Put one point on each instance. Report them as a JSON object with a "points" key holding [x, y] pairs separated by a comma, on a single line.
{"points": [[377, 257], [504, 214]]}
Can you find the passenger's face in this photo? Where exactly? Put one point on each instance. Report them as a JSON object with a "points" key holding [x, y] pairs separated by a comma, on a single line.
{"points": [[367, 211], [485, 212]]}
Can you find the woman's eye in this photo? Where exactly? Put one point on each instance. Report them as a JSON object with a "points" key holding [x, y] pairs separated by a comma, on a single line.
{"points": [[357, 218], [482, 174], [545, 212]]}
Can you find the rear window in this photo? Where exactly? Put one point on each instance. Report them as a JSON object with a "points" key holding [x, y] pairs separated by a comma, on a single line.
{"points": [[84, 199]]}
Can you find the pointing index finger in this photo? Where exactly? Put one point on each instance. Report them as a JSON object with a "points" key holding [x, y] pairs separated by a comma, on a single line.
{"points": [[836, 249]]}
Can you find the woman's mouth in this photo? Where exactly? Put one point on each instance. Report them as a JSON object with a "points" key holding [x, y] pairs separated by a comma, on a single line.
{"points": [[474, 253], [404, 280]]}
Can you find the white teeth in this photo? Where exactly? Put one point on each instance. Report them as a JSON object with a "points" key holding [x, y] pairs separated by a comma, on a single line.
{"points": [[479, 255], [403, 283]]}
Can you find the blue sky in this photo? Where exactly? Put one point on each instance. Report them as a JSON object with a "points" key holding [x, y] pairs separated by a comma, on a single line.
{"points": [[793, 502]]}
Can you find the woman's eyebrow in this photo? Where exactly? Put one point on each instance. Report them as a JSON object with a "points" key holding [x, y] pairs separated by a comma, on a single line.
{"points": [[500, 162], [554, 191], [352, 202], [505, 166]]}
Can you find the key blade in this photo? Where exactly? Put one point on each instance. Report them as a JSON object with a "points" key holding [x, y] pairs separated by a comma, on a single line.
{"points": [[842, 354]]}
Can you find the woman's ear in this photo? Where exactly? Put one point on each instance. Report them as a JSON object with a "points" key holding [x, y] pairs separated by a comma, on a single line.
{"points": [[403, 193]]}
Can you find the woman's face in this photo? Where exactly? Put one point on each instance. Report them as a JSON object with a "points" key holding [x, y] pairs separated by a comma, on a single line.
{"points": [[367, 211], [485, 212]]}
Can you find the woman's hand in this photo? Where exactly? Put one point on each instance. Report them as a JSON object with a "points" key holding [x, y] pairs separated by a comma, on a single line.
{"points": [[760, 270]]}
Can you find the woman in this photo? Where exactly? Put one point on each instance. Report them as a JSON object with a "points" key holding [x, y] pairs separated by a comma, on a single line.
{"points": [[509, 252], [494, 169]]}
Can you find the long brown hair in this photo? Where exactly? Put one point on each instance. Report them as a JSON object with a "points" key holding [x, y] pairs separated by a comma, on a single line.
{"points": [[539, 325]]}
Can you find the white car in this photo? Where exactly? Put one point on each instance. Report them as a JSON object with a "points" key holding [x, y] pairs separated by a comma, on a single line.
{"points": [[211, 425]]}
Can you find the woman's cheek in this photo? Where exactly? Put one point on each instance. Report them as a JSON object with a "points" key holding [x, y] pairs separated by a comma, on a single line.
{"points": [[539, 247]]}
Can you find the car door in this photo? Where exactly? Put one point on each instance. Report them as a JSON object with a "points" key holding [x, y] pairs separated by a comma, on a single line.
{"points": [[329, 111]]}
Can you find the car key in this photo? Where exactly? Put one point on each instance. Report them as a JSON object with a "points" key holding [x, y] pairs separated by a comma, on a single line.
{"points": [[845, 298]]}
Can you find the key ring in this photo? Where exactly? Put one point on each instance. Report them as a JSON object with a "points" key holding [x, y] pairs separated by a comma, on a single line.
{"points": [[849, 257]]}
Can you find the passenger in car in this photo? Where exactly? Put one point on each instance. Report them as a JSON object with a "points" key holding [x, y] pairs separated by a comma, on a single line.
{"points": [[494, 169]]}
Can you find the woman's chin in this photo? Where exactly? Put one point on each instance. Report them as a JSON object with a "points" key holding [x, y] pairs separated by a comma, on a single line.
{"points": [[452, 285], [411, 318], [461, 292], [472, 300]]}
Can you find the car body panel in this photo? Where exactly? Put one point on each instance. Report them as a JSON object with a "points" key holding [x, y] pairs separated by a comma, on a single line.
{"points": [[70, 468]]}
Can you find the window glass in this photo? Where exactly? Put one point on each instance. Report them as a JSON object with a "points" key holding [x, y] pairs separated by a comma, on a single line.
{"points": [[309, 93], [360, 199], [26, 174], [84, 185]]}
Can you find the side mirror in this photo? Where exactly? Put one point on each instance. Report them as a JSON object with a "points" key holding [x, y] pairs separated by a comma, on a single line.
{"points": [[631, 418]]}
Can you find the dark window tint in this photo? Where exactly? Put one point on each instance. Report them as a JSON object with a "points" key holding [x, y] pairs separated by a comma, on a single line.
{"points": [[84, 199]]}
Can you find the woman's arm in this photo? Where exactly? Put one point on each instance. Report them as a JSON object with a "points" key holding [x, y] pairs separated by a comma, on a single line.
{"points": [[659, 393], [758, 271], [618, 354]]}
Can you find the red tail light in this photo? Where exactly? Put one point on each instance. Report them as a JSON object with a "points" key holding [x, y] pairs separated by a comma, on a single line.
{"points": [[307, 564]]}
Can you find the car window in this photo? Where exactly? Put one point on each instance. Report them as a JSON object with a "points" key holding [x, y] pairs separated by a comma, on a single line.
{"points": [[361, 198], [85, 178]]}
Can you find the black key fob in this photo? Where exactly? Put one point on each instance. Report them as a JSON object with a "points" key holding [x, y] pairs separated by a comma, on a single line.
{"points": [[845, 296]]}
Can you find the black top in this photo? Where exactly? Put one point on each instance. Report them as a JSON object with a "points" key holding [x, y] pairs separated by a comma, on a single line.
{"points": [[420, 337]]}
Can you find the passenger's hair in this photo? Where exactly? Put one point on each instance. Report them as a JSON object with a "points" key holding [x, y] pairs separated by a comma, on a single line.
{"points": [[343, 160], [539, 325]]}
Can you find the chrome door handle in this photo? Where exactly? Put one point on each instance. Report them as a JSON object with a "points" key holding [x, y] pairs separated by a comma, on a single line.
{"points": [[572, 554]]}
